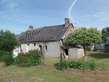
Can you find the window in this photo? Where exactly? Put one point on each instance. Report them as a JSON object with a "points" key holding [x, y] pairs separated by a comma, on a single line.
{"points": [[34, 44], [46, 47]]}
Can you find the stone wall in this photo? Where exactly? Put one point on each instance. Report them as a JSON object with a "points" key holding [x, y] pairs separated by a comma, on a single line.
{"points": [[51, 49], [75, 53]]}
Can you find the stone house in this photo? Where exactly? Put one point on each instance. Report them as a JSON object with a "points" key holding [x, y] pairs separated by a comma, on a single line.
{"points": [[47, 39]]}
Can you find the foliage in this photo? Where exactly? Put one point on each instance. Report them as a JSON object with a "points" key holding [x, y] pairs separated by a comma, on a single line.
{"points": [[105, 33], [50, 74], [15, 60], [88, 48], [7, 59], [32, 58], [83, 36], [76, 64], [23, 60], [91, 65], [8, 42], [2, 53]]}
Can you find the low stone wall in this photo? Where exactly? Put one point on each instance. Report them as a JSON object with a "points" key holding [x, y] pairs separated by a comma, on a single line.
{"points": [[75, 53]]}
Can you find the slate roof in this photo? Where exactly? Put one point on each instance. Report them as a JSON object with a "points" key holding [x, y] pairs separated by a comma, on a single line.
{"points": [[29, 35], [49, 33], [18, 36]]}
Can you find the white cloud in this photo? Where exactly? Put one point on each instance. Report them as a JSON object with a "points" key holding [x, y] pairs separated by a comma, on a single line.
{"points": [[8, 3], [98, 14], [69, 13], [12, 4]]}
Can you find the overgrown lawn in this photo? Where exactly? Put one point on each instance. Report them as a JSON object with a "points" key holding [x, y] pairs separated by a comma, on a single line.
{"points": [[48, 72]]}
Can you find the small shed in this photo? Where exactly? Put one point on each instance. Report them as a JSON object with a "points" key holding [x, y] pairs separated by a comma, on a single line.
{"points": [[75, 53]]}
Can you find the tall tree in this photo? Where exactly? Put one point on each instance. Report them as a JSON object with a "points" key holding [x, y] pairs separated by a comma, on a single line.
{"points": [[8, 41], [83, 36], [105, 33]]}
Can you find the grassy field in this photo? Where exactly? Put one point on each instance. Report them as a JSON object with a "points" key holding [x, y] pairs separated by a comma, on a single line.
{"points": [[48, 72]]}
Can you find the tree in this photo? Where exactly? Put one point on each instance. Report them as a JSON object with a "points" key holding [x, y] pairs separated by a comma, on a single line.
{"points": [[105, 33], [83, 36], [8, 41]]}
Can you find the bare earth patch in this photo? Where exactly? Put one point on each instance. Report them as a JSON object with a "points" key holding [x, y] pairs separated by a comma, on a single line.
{"points": [[89, 76]]}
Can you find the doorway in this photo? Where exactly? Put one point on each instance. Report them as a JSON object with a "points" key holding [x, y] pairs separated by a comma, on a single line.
{"points": [[40, 47], [66, 53]]}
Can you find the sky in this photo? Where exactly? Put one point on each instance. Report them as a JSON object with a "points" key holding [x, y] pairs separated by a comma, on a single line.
{"points": [[18, 15]]}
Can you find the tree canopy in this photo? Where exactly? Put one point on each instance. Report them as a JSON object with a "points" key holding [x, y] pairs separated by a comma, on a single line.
{"points": [[105, 33], [83, 36], [8, 42]]}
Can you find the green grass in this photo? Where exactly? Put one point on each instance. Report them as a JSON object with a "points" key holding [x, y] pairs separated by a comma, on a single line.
{"points": [[102, 59], [48, 72]]}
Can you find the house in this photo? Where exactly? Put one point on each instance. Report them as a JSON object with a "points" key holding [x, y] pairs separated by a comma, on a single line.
{"points": [[47, 39], [107, 46], [100, 47]]}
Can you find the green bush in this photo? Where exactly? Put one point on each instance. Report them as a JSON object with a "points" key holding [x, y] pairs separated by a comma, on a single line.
{"points": [[76, 64], [88, 48], [15, 60], [2, 53], [59, 66], [32, 58], [91, 65], [23, 60], [7, 59]]}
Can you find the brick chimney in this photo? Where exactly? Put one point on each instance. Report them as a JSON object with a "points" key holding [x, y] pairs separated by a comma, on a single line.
{"points": [[31, 27], [67, 22]]}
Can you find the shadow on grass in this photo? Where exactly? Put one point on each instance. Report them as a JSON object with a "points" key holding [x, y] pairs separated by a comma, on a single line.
{"points": [[99, 55]]}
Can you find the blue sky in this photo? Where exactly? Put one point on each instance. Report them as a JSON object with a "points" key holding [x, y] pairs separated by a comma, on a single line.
{"points": [[17, 15]]}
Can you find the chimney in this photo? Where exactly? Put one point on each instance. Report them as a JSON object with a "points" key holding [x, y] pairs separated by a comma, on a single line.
{"points": [[31, 27], [67, 22]]}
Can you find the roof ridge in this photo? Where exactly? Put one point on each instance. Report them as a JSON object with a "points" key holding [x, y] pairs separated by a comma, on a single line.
{"points": [[52, 26]]}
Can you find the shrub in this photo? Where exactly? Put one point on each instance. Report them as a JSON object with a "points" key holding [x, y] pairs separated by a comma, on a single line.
{"points": [[91, 65], [59, 66], [8, 41], [15, 60], [32, 58], [7, 59], [2, 53], [65, 64], [76, 64], [23, 60]]}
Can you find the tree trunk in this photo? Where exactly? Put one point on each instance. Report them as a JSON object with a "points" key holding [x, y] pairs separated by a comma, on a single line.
{"points": [[61, 58], [95, 47], [85, 54]]}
